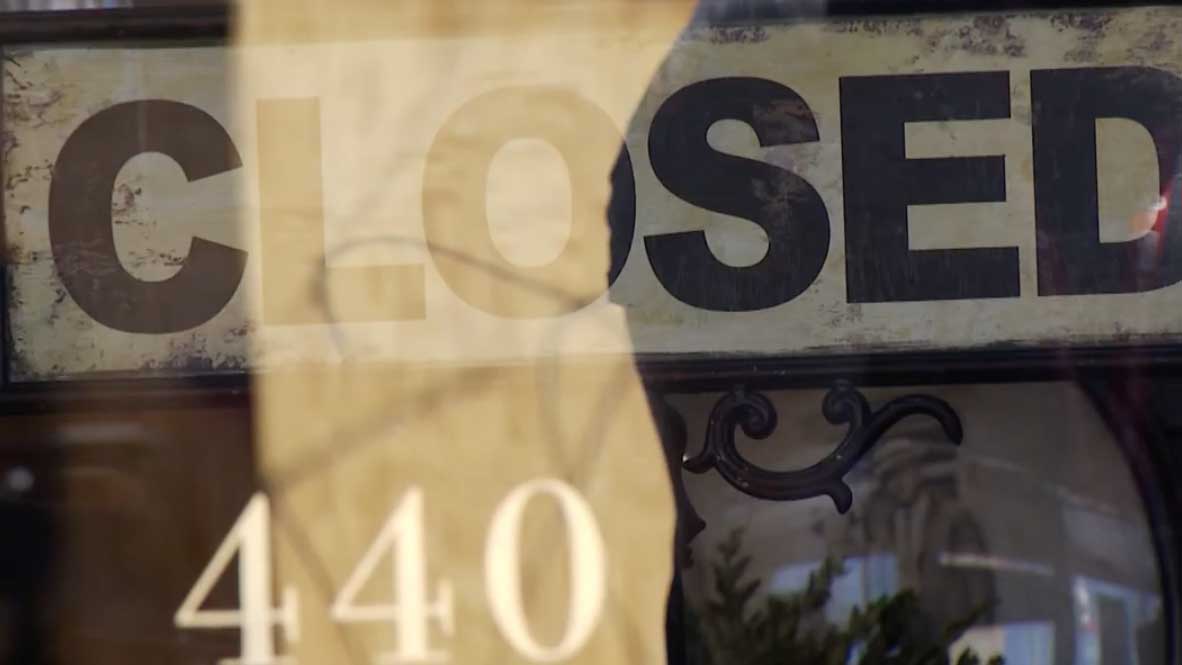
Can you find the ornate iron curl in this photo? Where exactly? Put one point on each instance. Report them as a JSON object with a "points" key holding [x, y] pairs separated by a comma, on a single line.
{"points": [[843, 404]]}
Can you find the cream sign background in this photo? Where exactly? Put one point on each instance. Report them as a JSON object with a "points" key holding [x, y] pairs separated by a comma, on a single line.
{"points": [[352, 152]]}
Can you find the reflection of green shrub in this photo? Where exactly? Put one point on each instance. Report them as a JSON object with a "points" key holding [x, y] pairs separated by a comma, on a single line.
{"points": [[792, 630]]}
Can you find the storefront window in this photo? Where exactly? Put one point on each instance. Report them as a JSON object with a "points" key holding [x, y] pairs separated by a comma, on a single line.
{"points": [[718, 332], [1031, 540]]}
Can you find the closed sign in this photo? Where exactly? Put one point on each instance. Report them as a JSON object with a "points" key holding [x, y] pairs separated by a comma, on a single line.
{"points": [[947, 182]]}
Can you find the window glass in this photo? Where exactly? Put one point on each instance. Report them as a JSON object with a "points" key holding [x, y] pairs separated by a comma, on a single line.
{"points": [[718, 332]]}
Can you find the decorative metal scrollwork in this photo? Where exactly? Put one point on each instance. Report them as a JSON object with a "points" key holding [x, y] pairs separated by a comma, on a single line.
{"points": [[843, 404]]}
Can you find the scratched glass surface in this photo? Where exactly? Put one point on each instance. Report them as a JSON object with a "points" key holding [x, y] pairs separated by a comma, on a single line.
{"points": [[729, 332]]}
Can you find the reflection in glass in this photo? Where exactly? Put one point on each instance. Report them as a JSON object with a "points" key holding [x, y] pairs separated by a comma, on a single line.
{"points": [[1032, 530]]}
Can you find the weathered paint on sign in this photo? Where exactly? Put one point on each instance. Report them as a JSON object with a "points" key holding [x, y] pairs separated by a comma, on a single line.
{"points": [[357, 200]]}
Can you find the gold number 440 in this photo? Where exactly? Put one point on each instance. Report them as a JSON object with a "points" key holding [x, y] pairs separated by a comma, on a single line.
{"points": [[412, 607]]}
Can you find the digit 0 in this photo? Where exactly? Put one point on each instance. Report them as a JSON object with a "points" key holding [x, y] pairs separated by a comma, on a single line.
{"points": [[587, 570]]}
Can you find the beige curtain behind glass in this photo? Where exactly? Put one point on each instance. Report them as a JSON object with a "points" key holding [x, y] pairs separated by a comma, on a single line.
{"points": [[348, 100]]}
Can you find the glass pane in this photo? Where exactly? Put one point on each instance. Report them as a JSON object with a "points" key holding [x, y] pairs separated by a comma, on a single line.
{"points": [[725, 332], [1032, 530]]}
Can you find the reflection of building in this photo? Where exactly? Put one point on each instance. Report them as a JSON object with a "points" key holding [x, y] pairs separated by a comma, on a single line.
{"points": [[1035, 515], [865, 579], [1108, 617]]}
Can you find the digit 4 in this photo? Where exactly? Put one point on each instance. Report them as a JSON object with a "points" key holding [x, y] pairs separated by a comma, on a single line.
{"points": [[402, 538], [250, 538]]}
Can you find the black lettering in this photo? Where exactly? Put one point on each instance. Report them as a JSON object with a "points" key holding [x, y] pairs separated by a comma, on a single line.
{"points": [[1066, 104], [455, 222], [81, 233], [782, 203], [880, 183], [295, 261]]}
